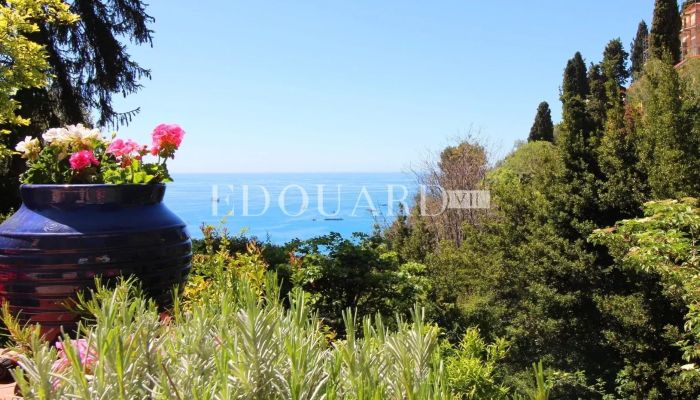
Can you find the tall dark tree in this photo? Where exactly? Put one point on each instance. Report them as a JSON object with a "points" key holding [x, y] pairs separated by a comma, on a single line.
{"points": [[664, 39], [668, 142], [89, 61], [576, 121], [638, 49], [622, 191], [615, 62], [578, 146], [605, 107], [575, 80], [597, 98], [89, 64], [543, 127], [615, 77]]}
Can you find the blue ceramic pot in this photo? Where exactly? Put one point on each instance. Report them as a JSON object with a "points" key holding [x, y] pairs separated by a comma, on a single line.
{"points": [[64, 236]]}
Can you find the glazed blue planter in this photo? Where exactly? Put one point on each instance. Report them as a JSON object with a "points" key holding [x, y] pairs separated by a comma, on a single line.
{"points": [[64, 236]]}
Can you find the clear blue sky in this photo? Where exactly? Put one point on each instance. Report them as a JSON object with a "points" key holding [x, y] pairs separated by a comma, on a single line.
{"points": [[359, 85]]}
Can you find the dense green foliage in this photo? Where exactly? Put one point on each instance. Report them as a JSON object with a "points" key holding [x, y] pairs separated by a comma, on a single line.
{"points": [[240, 346], [615, 62], [667, 131], [527, 271], [664, 40], [543, 127], [89, 63], [232, 336], [337, 273], [24, 63], [665, 242], [361, 274], [639, 49]]}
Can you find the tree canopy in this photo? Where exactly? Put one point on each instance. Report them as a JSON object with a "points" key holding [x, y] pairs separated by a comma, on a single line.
{"points": [[542, 128], [664, 38], [89, 62], [639, 49]]}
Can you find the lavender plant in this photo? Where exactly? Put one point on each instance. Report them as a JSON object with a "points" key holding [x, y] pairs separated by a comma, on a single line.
{"points": [[241, 346]]}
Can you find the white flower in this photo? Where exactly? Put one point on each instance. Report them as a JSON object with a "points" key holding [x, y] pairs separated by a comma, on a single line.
{"points": [[29, 148], [92, 134], [55, 135], [82, 136], [75, 132]]}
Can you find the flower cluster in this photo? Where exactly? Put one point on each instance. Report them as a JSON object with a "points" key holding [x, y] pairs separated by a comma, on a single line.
{"points": [[77, 136], [126, 151], [166, 139], [83, 159], [78, 154]]}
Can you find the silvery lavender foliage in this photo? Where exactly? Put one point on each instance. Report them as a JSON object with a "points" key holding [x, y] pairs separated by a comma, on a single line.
{"points": [[238, 344]]}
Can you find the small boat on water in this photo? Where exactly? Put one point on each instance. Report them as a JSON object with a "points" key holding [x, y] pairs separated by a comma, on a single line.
{"points": [[332, 219]]}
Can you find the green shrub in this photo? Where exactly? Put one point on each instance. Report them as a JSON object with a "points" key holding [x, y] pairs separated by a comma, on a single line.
{"points": [[361, 273], [337, 273], [473, 368]]}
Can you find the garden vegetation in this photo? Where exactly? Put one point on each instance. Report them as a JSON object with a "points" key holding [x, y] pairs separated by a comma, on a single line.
{"points": [[232, 336]]}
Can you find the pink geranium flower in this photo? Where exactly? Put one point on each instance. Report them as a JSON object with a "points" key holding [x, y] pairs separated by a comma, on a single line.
{"points": [[119, 147], [83, 159], [166, 139]]}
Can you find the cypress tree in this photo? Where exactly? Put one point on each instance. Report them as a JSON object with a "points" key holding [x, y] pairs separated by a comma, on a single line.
{"points": [[623, 190], [543, 127], [664, 39], [576, 121], [575, 80], [668, 145], [578, 143], [638, 49], [597, 98], [606, 81], [615, 62]]}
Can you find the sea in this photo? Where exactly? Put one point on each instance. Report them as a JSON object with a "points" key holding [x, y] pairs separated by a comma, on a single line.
{"points": [[279, 207]]}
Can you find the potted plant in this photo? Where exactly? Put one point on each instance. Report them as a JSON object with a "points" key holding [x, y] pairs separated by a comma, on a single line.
{"points": [[91, 207]]}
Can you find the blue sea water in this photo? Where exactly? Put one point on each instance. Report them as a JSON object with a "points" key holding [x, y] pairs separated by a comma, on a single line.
{"points": [[300, 205]]}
